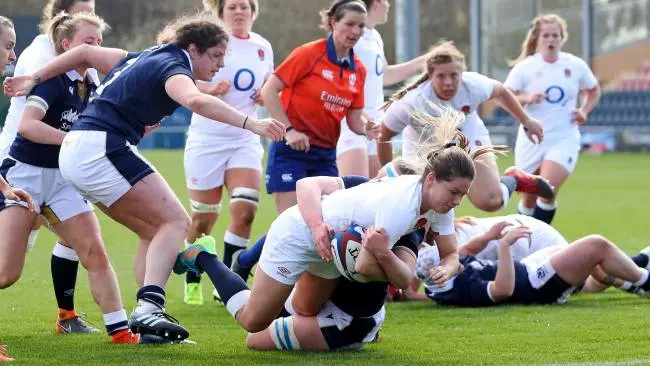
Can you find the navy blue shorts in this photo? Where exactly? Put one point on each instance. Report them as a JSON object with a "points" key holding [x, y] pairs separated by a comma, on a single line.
{"points": [[286, 166]]}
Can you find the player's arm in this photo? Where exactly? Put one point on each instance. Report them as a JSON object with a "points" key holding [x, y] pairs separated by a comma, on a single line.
{"points": [[503, 285], [356, 121], [34, 129], [271, 96], [508, 101], [449, 263], [84, 56], [182, 89], [478, 242], [590, 100], [382, 264], [16, 194], [308, 194], [397, 73]]}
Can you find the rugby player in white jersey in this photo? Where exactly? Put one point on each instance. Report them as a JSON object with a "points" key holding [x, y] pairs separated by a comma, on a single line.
{"points": [[355, 154], [548, 82], [217, 154], [446, 82]]}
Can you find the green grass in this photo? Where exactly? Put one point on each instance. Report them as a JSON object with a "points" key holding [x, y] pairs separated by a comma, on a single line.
{"points": [[606, 195]]}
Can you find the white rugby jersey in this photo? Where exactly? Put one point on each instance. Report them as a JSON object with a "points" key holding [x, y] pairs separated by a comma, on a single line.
{"points": [[542, 236], [35, 56], [370, 49], [473, 90], [392, 204], [561, 81], [248, 63]]}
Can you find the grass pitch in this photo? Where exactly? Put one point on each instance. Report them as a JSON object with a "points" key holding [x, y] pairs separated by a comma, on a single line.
{"points": [[607, 195]]}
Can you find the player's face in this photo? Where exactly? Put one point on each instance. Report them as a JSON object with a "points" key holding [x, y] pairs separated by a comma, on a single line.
{"points": [[379, 11], [7, 44], [207, 64], [86, 34], [446, 79], [82, 7], [238, 16], [348, 29], [550, 39], [442, 195]]}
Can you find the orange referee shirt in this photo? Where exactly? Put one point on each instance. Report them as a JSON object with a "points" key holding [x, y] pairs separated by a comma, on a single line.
{"points": [[320, 90]]}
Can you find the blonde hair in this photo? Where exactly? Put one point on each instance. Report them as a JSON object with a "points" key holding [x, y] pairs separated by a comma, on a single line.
{"points": [[65, 26], [217, 6], [529, 45], [443, 52], [443, 149], [5, 23]]}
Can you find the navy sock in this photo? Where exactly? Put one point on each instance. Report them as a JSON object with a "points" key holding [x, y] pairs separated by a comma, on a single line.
{"points": [[544, 214], [250, 256], [191, 277], [224, 280], [641, 260], [153, 294], [228, 251], [64, 278]]}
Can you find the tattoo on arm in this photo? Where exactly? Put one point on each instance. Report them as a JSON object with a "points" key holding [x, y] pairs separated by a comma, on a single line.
{"points": [[608, 280]]}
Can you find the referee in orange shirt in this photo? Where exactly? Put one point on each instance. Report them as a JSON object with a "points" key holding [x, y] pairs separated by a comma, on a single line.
{"points": [[310, 92]]}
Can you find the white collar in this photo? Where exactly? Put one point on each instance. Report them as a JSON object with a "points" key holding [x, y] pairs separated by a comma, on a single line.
{"points": [[189, 59], [74, 76]]}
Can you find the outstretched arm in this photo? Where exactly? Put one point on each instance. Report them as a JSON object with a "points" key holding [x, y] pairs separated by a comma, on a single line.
{"points": [[503, 285]]}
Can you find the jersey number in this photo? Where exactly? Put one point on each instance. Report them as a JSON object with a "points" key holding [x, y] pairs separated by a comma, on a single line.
{"points": [[117, 73]]}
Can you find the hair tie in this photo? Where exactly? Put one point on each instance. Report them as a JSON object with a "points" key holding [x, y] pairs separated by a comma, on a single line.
{"points": [[450, 144], [66, 17]]}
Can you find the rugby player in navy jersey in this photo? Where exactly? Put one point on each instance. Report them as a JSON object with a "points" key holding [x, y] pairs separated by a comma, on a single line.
{"points": [[100, 159], [51, 109], [547, 276]]}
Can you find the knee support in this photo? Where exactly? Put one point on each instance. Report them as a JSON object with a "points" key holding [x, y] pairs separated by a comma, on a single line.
{"points": [[283, 334], [243, 194], [200, 207]]}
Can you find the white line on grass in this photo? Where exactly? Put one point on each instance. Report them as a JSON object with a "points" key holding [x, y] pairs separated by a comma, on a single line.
{"points": [[645, 361]]}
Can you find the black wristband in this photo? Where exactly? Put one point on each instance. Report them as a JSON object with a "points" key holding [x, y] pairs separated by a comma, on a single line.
{"points": [[244, 125], [289, 128]]}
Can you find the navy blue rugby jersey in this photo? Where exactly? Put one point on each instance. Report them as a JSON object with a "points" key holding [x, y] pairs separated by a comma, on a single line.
{"points": [[133, 94], [470, 287], [63, 99]]}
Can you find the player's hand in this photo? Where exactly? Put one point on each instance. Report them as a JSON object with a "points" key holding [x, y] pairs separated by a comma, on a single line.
{"points": [[19, 85], [16, 194], [220, 88], [579, 117], [515, 234], [297, 140], [373, 130], [535, 98], [258, 97], [267, 127], [533, 130], [322, 235], [439, 276], [496, 231], [375, 240]]}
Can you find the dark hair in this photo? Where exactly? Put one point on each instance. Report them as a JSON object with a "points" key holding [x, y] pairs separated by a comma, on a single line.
{"points": [[198, 31], [217, 6], [337, 11], [65, 26], [54, 7]]}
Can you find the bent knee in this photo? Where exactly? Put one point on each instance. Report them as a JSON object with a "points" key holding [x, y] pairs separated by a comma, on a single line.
{"points": [[243, 214], [8, 279]]}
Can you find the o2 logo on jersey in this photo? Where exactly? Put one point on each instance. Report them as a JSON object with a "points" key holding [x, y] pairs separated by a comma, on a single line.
{"points": [[379, 65], [244, 80], [555, 94]]}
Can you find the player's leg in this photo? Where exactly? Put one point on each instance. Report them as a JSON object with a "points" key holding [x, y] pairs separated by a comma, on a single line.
{"points": [[351, 152], [243, 175], [576, 262], [487, 192], [243, 261], [373, 159], [15, 226], [204, 175], [83, 234], [556, 174], [311, 293], [291, 333]]}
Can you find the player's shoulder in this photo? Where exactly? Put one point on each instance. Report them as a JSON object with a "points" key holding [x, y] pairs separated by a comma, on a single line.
{"points": [[571, 59], [260, 41]]}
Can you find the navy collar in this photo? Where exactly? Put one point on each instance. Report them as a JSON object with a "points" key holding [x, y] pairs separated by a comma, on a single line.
{"points": [[331, 54]]}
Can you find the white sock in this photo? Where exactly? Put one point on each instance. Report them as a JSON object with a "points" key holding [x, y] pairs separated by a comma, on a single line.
{"points": [[115, 317], [643, 279], [506, 194], [546, 206], [626, 285], [525, 210], [235, 240], [64, 252]]}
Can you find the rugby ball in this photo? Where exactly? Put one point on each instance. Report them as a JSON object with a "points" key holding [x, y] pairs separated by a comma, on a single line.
{"points": [[346, 246]]}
